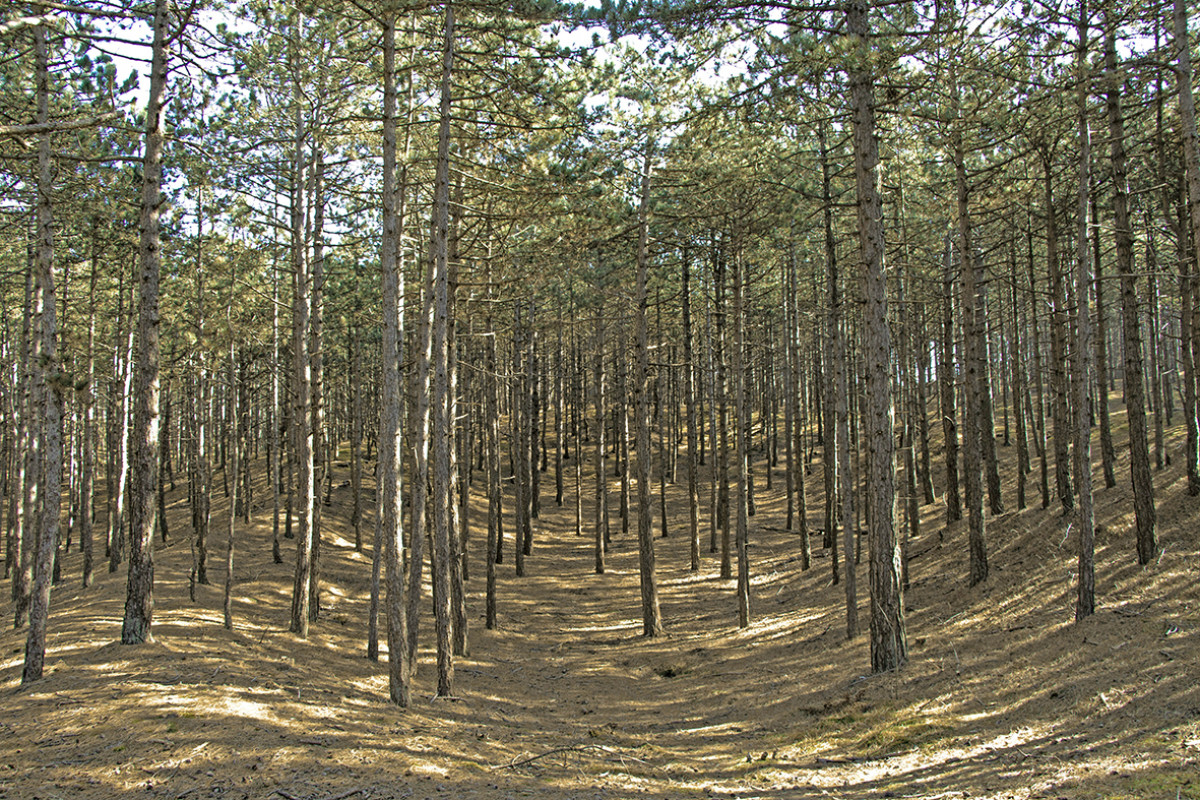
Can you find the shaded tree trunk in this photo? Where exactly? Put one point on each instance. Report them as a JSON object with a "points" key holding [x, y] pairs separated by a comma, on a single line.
{"points": [[1135, 393], [889, 645]]}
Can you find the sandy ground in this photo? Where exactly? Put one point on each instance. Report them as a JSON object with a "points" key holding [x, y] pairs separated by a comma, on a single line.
{"points": [[1004, 695]]}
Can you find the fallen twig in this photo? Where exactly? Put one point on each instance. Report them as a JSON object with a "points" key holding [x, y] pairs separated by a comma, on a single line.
{"points": [[575, 748]]}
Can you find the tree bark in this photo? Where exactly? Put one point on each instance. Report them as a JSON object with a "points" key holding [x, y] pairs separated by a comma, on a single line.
{"points": [[139, 602], [1135, 393], [440, 422], [889, 646], [946, 383], [1191, 156], [651, 613], [390, 512], [52, 380], [301, 421], [974, 364], [1058, 348], [1085, 598]]}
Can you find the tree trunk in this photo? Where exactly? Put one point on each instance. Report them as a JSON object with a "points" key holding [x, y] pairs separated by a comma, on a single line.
{"points": [[1058, 347], [390, 512], [52, 382], [88, 482], [601, 513], [834, 359], [889, 646], [689, 400], [651, 614], [301, 421], [1108, 454], [139, 602], [974, 365], [1085, 599], [1135, 394], [440, 431], [1191, 155], [946, 382]]}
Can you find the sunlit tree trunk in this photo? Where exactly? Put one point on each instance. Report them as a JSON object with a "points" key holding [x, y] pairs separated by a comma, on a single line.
{"points": [[301, 419], [651, 614], [139, 602], [440, 433]]}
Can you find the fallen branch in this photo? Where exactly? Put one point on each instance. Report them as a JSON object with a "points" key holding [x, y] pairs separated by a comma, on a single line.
{"points": [[576, 748]]}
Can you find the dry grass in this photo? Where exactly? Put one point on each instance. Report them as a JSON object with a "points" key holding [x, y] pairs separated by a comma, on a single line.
{"points": [[1004, 696]]}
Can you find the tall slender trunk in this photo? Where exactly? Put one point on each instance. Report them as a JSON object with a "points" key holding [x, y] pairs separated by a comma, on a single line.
{"points": [[234, 448], [139, 602], [1191, 155], [974, 363], [834, 358], [440, 422], [301, 422], [1135, 393], [88, 482], [889, 645], [50, 379], [946, 383], [1108, 455], [492, 446], [741, 445], [689, 400], [389, 513], [1085, 599], [321, 462], [1040, 426], [651, 613], [1017, 357], [1058, 347], [601, 508]]}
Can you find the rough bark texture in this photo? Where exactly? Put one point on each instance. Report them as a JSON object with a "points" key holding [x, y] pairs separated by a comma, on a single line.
{"points": [[1058, 349], [390, 507], [651, 614], [741, 444], [690, 401], [139, 601], [1135, 391], [440, 418], [889, 646], [833, 357], [975, 369], [946, 386], [46, 530], [301, 420], [1085, 598], [1191, 155], [1108, 454]]}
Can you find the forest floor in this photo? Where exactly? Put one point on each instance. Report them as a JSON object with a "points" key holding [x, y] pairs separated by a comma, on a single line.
{"points": [[1004, 696]]}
